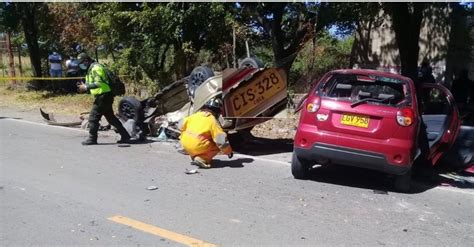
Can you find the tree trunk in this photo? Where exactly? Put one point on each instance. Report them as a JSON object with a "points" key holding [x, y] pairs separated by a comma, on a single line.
{"points": [[11, 63], [19, 61], [27, 11], [113, 55], [179, 61], [234, 58], [96, 54], [407, 34]]}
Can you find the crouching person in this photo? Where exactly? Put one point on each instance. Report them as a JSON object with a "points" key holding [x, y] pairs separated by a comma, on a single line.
{"points": [[202, 136]]}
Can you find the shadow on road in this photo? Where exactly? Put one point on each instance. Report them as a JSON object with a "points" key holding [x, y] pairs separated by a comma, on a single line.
{"points": [[260, 146], [381, 183], [237, 163], [125, 145], [1, 118], [453, 177]]}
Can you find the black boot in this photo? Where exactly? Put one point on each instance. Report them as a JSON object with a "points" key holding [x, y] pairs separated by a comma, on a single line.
{"points": [[124, 139], [89, 141]]}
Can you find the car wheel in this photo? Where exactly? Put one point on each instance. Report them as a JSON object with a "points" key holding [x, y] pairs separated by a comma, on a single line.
{"points": [[251, 62], [402, 182], [199, 75], [130, 108], [299, 168]]}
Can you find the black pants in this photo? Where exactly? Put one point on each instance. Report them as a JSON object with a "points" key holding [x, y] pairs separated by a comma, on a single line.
{"points": [[103, 107], [423, 142]]}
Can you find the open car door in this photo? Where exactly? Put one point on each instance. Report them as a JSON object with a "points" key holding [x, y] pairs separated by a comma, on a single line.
{"points": [[441, 117]]}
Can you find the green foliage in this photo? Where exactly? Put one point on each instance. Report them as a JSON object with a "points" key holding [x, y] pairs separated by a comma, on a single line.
{"points": [[153, 44], [162, 41], [313, 61], [9, 21]]}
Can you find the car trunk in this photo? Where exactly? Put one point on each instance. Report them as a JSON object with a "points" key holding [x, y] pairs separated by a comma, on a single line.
{"points": [[373, 122]]}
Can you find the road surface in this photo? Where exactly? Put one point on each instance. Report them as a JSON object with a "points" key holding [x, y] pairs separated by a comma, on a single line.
{"points": [[53, 191]]}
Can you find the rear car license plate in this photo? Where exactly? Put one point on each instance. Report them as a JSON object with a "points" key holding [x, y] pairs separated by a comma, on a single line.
{"points": [[258, 91], [354, 120]]}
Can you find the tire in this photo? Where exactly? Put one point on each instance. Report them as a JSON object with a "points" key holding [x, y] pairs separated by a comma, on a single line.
{"points": [[199, 75], [251, 62], [299, 168], [130, 108], [402, 182]]}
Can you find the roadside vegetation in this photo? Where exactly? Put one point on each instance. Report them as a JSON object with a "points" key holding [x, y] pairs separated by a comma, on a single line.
{"points": [[22, 99], [154, 44]]}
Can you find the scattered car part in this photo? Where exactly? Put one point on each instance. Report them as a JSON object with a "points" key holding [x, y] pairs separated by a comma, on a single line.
{"points": [[49, 119], [193, 171], [84, 123]]}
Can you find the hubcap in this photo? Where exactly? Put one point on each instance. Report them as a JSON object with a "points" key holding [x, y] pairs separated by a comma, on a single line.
{"points": [[127, 111]]}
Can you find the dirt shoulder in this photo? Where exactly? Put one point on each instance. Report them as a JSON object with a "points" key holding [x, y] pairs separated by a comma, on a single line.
{"points": [[66, 104], [24, 104]]}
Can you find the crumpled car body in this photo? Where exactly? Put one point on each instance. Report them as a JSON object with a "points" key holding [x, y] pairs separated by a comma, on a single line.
{"points": [[250, 95]]}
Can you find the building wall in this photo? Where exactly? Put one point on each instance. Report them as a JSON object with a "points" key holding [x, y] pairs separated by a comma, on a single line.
{"points": [[443, 41]]}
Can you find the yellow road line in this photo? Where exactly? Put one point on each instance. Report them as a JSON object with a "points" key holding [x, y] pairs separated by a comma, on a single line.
{"points": [[176, 237]]}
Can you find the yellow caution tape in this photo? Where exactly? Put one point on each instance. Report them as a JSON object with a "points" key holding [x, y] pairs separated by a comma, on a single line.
{"points": [[45, 78], [39, 78]]}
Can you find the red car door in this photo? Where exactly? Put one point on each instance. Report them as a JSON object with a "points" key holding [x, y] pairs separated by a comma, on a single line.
{"points": [[441, 117]]}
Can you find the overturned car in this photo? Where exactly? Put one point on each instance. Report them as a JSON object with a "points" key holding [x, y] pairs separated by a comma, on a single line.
{"points": [[251, 95]]}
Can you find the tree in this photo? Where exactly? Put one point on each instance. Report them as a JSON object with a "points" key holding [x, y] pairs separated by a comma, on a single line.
{"points": [[71, 26], [162, 39], [25, 15], [407, 18], [287, 26]]}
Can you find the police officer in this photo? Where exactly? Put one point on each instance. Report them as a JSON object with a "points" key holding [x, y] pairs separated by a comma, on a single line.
{"points": [[97, 83], [202, 136]]}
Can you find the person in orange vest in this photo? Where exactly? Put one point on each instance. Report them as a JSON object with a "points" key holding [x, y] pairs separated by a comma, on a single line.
{"points": [[202, 136]]}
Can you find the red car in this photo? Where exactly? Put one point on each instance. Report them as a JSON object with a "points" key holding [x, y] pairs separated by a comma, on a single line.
{"points": [[371, 119]]}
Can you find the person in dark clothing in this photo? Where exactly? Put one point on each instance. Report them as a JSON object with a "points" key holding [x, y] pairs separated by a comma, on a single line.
{"points": [[97, 83], [425, 73], [462, 88]]}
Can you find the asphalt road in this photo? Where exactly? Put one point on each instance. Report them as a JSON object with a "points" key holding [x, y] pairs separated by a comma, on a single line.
{"points": [[53, 191]]}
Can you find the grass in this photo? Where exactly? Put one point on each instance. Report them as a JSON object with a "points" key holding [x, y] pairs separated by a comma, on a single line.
{"points": [[69, 104], [25, 65]]}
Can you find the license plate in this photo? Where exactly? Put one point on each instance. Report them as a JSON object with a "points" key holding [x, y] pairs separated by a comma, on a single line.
{"points": [[354, 120], [257, 92]]}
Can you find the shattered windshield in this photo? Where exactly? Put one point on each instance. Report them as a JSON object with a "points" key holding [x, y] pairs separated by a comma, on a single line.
{"points": [[365, 89]]}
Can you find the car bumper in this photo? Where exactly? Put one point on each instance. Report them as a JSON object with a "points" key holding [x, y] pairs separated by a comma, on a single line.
{"points": [[323, 154]]}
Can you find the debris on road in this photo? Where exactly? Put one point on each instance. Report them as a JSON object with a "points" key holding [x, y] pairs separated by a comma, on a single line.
{"points": [[152, 187], [193, 171], [49, 119], [381, 192], [124, 145], [83, 123]]}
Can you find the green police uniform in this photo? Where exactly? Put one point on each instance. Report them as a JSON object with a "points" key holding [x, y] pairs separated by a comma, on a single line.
{"points": [[98, 85]]}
